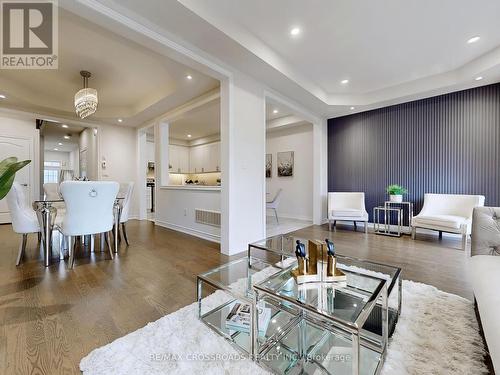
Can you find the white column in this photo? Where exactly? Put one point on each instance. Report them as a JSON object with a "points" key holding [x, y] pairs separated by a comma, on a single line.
{"points": [[161, 158], [141, 173], [243, 127]]}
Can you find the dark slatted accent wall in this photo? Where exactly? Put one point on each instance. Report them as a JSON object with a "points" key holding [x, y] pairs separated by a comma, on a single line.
{"points": [[445, 144]]}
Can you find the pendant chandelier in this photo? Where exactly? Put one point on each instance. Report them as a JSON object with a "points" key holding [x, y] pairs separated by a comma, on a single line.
{"points": [[86, 98]]}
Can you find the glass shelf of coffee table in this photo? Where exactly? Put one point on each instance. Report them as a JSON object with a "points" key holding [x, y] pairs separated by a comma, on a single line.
{"points": [[328, 335], [231, 283]]}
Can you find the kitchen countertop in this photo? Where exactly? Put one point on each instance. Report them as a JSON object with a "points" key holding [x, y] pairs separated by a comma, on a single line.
{"points": [[191, 187]]}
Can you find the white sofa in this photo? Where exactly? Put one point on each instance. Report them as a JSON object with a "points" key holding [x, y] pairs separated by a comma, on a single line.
{"points": [[347, 207], [485, 275], [450, 213]]}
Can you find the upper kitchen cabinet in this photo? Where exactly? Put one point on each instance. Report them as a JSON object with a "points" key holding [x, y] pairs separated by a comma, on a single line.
{"points": [[205, 158], [178, 159]]}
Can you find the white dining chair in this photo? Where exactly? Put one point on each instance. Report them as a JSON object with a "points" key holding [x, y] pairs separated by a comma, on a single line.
{"points": [[51, 191], [23, 217], [273, 204], [89, 211], [126, 191]]}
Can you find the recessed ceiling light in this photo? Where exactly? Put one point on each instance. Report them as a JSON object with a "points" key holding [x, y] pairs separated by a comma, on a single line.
{"points": [[64, 126], [275, 111], [189, 77], [295, 31], [2, 96], [120, 120], [478, 78], [474, 39], [344, 81], [189, 135], [56, 149], [60, 144], [352, 108], [66, 137]]}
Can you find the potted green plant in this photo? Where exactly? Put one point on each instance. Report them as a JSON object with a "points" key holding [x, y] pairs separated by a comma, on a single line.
{"points": [[8, 169], [396, 193]]}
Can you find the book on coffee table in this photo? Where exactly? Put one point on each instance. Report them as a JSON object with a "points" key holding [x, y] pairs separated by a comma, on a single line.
{"points": [[238, 318]]}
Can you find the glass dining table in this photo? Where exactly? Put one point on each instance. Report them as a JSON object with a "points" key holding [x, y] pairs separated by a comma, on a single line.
{"points": [[46, 213]]}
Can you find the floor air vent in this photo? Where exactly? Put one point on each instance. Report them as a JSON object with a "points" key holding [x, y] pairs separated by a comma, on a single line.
{"points": [[207, 217]]}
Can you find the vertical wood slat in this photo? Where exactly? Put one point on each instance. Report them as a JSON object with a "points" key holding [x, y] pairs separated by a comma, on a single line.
{"points": [[445, 144]]}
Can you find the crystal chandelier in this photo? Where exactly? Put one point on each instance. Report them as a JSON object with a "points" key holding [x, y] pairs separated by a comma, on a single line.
{"points": [[86, 98]]}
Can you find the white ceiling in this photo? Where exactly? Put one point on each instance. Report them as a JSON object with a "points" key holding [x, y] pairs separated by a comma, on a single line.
{"points": [[272, 106], [200, 122], [391, 50], [374, 44], [133, 82], [387, 50]]}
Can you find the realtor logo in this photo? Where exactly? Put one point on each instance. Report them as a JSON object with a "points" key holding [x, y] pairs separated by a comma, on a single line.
{"points": [[29, 34]]}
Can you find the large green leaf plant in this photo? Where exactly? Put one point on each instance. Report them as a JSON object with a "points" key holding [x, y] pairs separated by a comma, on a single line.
{"points": [[8, 169]]}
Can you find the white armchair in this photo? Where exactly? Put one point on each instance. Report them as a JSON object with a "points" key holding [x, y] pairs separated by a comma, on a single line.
{"points": [[451, 213], [347, 207]]}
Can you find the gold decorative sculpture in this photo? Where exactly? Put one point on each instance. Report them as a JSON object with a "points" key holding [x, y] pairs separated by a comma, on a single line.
{"points": [[319, 265]]}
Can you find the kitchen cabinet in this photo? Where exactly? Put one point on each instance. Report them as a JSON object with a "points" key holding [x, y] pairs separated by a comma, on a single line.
{"points": [[178, 159], [205, 158], [194, 159]]}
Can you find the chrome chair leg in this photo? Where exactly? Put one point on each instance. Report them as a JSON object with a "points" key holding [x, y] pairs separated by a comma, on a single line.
{"points": [[22, 248], [108, 241], [124, 230], [61, 246], [102, 237], [71, 247]]}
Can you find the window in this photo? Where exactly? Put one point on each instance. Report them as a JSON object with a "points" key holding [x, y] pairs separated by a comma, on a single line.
{"points": [[51, 171], [54, 164]]}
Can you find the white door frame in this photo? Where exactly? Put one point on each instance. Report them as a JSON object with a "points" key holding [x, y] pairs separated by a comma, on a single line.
{"points": [[320, 154]]}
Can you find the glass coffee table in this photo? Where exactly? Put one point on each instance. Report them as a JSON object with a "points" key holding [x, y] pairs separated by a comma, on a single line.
{"points": [[330, 328], [284, 245]]}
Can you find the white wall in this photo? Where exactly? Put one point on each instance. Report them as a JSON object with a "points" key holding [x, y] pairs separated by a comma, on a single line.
{"points": [[19, 124], [118, 147], [150, 150], [297, 195], [175, 210]]}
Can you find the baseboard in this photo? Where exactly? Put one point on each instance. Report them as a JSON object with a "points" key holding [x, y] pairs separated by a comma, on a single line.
{"points": [[190, 231]]}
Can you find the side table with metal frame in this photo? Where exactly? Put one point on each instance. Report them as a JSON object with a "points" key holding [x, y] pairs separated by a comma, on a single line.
{"points": [[385, 228], [402, 205]]}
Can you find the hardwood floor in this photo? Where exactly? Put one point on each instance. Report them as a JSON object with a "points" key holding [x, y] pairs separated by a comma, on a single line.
{"points": [[52, 317]]}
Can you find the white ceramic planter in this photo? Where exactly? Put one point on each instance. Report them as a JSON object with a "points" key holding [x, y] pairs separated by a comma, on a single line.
{"points": [[396, 198]]}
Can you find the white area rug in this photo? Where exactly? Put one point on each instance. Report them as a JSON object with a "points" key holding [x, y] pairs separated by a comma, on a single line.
{"points": [[437, 334]]}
